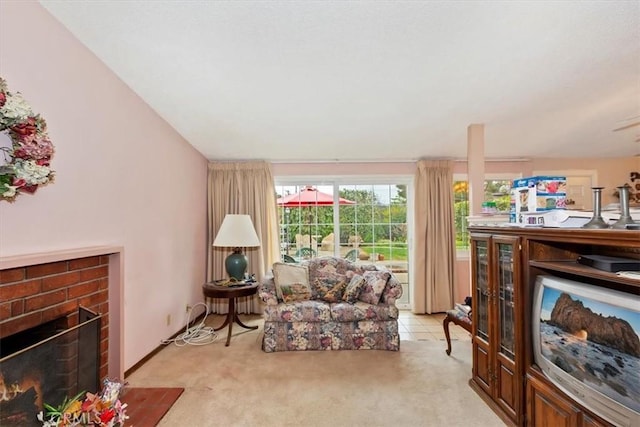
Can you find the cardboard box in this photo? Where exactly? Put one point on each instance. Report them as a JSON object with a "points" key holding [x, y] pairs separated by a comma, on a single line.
{"points": [[537, 194]]}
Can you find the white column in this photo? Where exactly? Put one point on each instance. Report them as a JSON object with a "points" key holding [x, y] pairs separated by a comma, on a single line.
{"points": [[475, 167]]}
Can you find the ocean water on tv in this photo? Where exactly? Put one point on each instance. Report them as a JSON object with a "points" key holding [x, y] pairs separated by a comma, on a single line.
{"points": [[608, 371]]}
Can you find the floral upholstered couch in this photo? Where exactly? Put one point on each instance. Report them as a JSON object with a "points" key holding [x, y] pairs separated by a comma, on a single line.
{"points": [[330, 303]]}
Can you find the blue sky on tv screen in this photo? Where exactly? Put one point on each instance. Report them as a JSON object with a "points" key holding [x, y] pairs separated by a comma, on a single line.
{"points": [[550, 296]]}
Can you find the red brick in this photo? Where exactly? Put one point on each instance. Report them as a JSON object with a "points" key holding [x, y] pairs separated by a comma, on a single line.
{"points": [[17, 307], [41, 270], [104, 371], [45, 300], [92, 302], [94, 273], [20, 323], [12, 275], [80, 263], [104, 307], [82, 289], [104, 259], [60, 280], [104, 297], [59, 310], [20, 290], [5, 311], [104, 283]]}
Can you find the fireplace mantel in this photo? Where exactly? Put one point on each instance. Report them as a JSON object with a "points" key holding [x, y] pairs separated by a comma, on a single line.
{"points": [[24, 260], [115, 256]]}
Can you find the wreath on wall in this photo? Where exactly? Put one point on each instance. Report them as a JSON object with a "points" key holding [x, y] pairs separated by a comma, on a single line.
{"points": [[24, 165]]}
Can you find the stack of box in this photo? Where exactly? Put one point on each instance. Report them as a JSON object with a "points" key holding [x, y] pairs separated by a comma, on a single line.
{"points": [[536, 194]]}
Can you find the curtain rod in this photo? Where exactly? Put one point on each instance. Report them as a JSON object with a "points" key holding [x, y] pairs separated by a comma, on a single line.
{"points": [[393, 161]]}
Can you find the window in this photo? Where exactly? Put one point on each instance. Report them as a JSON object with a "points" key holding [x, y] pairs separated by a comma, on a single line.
{"points": [[363, 222], [497, 199]]}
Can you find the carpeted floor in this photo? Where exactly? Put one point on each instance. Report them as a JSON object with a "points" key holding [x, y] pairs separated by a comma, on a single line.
{"points": [[147, 405], [240, 385]]}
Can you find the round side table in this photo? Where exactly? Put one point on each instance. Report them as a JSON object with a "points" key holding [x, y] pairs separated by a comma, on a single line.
{"points": [[211, 290]]}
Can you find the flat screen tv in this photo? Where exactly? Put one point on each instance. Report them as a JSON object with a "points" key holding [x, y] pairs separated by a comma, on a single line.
{"points": [[585, 341]]}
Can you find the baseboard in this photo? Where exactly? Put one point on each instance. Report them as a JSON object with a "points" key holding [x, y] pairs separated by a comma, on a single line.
{"points": [[161, 346]]}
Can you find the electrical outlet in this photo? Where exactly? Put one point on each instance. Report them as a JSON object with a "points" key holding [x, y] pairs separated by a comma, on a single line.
{"points": [[188, 309], [168, 319]]}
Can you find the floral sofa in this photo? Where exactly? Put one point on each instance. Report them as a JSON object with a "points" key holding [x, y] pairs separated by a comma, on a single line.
{"points": [[330, 303]]}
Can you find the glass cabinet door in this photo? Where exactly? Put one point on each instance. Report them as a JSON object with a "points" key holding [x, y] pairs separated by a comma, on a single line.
{"points": [[505, 287], [481, 291]]}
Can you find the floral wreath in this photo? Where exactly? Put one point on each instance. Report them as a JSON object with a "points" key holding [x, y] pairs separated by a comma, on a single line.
{"points": [[27, 160]]}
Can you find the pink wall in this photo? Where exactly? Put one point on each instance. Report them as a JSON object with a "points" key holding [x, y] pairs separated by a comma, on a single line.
{"points": [[123, 177]]}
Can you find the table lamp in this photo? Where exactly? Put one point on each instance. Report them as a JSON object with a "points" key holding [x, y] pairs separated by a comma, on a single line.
{"points": [[236, 231]]}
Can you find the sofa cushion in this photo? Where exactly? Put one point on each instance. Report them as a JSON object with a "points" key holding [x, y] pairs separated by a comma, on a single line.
{"points": [[299, 311], [287, 274], [375, 281], [330, 292], [354, 288], [346, 312], [329, 271]]}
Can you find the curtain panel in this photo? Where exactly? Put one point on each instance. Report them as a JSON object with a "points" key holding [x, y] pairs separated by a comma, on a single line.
{"points": [[435, 253], [242, 188]]}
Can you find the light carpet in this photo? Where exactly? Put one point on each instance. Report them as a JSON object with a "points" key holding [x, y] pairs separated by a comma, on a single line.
{"points": [[240, 385]]}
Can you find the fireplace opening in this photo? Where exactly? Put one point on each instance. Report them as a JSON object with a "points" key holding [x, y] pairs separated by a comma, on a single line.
{"points": [[46, 364]]}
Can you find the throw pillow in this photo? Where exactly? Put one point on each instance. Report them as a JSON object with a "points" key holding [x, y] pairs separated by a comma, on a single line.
{"points": [[295, 292], [354, 288], [375, 281], [286, 275], [330, 292]]}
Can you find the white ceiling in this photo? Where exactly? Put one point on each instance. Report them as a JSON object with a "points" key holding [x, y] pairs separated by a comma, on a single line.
{"points": [[377, 80]]}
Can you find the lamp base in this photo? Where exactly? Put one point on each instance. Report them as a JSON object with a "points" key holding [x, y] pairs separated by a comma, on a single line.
{"points": [[236, 265]]}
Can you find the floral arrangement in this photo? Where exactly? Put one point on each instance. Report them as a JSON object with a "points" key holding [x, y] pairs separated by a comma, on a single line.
{"points": [[96, 410], [26, 161]]}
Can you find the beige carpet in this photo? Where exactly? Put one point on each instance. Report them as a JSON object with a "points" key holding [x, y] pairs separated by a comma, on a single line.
{"points": [[240, 385]]}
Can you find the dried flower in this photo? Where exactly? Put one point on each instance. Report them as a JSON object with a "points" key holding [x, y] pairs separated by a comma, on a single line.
{"points": [[95, 410], [26, 162]]}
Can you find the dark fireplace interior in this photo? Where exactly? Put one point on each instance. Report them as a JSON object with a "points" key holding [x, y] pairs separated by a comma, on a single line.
{"points": [[46, 364]]}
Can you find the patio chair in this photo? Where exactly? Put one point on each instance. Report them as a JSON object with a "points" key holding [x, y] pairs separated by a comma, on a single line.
{"points": [[305, 253], [352, 255], [287, 258]]}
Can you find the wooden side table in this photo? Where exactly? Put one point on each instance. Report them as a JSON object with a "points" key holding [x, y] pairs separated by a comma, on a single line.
{"points": [[211, 290], [458, 318]]}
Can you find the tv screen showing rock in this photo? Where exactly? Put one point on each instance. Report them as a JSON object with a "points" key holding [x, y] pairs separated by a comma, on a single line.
{"points": [[594, 342]]}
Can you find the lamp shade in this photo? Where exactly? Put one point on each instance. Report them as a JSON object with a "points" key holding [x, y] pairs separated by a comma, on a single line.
{"points": [[236, 231]]}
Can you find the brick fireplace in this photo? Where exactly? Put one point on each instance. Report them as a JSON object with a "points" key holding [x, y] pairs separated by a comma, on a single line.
{"points": [[36, 294], [38, 288]]}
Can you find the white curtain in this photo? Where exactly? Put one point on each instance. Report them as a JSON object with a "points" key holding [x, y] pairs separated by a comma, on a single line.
{"points": [[242, 188], [434, 239]]}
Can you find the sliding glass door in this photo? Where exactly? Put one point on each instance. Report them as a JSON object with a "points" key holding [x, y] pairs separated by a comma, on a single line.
{"points": [[365, 223]]}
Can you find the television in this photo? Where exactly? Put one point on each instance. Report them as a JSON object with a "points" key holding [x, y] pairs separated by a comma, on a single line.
{"points": [[586, 342]]}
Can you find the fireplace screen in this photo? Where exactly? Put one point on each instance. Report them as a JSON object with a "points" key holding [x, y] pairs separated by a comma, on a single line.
{"points": [[61, 365]]}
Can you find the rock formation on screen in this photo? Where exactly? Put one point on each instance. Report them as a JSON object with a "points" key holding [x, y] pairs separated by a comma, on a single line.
{"points": [[572, 317]]}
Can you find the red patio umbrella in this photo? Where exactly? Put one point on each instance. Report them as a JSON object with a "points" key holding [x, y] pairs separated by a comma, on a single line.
{"points": [[310, 196]]}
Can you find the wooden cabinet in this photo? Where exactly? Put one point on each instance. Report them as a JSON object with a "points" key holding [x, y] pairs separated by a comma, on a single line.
{"points": [[495, 282], [505, 263], [546, 408]]}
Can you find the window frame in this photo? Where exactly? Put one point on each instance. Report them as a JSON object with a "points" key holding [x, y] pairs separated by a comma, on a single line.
{"points": [[464, 253]]}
